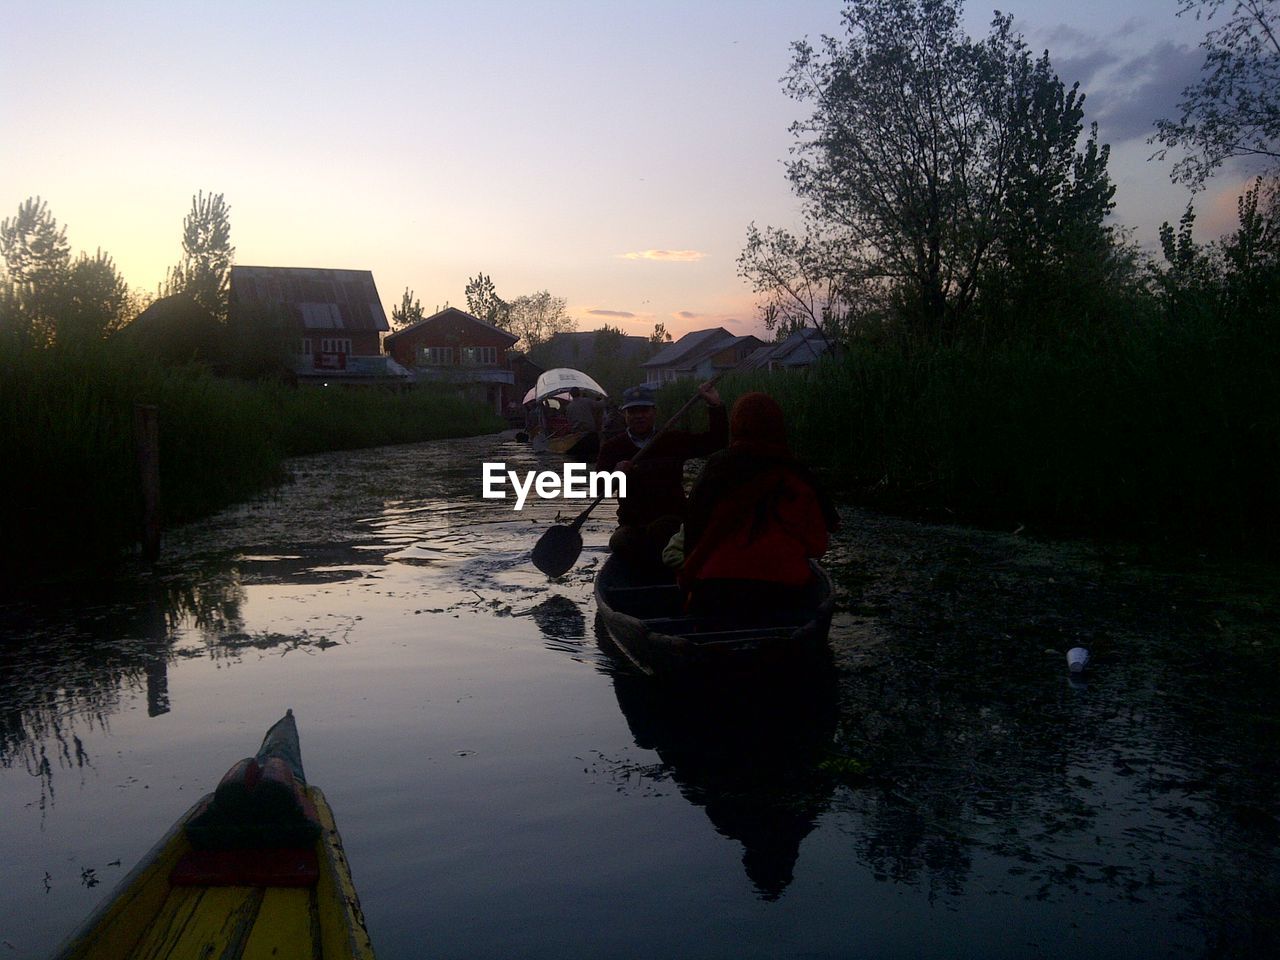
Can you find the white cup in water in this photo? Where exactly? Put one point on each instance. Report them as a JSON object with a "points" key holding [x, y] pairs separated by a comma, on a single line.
{"points": [[1077, 657]]}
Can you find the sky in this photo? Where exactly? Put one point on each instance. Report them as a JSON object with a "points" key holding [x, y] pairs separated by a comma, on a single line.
{"points": [[612, 153]]}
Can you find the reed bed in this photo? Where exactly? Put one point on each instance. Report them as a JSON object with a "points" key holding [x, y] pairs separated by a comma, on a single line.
{"points": [[1166, 432], [70, 497]]}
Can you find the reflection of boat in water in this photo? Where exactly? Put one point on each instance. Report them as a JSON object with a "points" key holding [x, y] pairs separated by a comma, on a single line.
{"points": [[254, 869], [750, 755], [645, 617]]}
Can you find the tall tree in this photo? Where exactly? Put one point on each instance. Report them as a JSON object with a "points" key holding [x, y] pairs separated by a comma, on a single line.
{"points": [[33, 246], [97, 301], [205, 268], [1233, 111], [537, 317], [660, 334], [408, 312], [924, 152], [484, 303]]}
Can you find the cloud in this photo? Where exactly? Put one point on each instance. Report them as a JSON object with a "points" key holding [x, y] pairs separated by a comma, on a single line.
{"points": [[666, 256], [621, 314], [687, 315], [1126, 91]]}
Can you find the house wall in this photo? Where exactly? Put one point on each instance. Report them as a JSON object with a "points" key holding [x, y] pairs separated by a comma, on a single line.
{"points": [[453, 333]]}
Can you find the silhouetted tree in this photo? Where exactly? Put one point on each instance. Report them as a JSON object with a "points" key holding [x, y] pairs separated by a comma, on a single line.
{"points": [[408, 312], [929, 158], [484, 303], [660, 334], [205, 269], [1234, 109]]}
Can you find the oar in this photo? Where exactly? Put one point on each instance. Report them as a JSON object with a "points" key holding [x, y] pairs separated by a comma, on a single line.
{"points": [[558, 549]]}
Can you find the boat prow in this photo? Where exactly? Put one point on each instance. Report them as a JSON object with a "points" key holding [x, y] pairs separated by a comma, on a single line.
{"points": [[255, 869]]}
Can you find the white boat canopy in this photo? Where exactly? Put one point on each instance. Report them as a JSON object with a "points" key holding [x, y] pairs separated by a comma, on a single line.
{"points": [[559, 381]]}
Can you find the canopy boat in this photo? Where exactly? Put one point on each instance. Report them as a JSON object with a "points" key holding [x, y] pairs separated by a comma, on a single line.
{"points": [[555, 384], [645, 618], [255, 869]]}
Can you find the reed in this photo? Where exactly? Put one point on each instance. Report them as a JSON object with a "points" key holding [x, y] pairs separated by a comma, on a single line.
{"points": [[70, 499], [1158, 431]]}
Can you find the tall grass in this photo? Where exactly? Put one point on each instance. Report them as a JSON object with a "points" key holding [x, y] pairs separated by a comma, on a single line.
{"points": [[70, 497], [1161, 431]]}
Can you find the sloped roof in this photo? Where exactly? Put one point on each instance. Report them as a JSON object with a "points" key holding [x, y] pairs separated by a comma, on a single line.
{"points": [[578, 348], [686, 351], [317, 299], [447, 311], [800, 348]]}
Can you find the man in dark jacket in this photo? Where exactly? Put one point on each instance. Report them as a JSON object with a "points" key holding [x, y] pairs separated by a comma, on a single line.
{"points": [[654, 506]]}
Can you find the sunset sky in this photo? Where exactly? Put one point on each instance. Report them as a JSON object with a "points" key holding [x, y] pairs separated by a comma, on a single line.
{"points": [[612, 153]]}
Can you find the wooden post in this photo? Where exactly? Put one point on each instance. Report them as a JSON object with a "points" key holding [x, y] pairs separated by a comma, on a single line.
{"points": [[146, 433]]}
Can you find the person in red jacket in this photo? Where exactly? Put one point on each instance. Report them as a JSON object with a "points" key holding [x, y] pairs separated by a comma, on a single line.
{"points": [[755, 518], [654, 506]]}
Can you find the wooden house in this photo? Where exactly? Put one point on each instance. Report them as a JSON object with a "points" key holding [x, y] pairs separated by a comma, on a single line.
{"points": [[454, 347], [700, 354], [333, 320]]}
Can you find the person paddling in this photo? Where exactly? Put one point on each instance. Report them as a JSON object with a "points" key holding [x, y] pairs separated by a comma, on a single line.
{"points": [[654, 506], [755, 517]]}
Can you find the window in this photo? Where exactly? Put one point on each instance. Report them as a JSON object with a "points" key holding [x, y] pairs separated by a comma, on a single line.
{"points": [[436, 356], [335, 345], [480, 356], [303, 347]]}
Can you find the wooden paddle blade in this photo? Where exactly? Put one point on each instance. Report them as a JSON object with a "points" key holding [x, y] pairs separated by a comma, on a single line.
{"points": [[557, 550]]}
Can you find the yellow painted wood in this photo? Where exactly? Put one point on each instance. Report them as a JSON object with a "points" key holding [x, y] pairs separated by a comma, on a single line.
{"points": [[121, 920], [198, 923], [146, 919], [286, 927]]}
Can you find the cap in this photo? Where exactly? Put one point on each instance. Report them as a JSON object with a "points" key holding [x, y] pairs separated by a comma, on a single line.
{"points": [[641, 396]]}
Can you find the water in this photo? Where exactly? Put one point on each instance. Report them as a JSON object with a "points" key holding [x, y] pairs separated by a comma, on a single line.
{"points": [[505, 786]]}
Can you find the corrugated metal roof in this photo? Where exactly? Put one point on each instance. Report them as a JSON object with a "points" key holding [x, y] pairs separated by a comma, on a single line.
{"points": [[318, 299], [683, 349]]}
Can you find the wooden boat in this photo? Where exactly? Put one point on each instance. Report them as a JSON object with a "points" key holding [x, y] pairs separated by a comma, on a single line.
{"points": [[255, 869], [645, 618]]}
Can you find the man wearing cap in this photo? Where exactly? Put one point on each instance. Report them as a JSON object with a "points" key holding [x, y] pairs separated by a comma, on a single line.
{"points": [[654, 506]]}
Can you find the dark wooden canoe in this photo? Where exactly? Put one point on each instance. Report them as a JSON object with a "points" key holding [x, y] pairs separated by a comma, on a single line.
{"points": [[255, 869], [645, 618]]}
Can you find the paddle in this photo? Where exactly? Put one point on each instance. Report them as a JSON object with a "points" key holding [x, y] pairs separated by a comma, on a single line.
{"points": [[558, 549]]}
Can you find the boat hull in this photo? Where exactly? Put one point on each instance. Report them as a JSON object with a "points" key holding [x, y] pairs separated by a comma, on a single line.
{"points": [[645, 619], [148, 916]]}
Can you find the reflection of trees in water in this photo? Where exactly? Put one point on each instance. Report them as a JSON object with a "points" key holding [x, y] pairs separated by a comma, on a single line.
{"points": [[68, 671], [755, 757], [1156, 774]]}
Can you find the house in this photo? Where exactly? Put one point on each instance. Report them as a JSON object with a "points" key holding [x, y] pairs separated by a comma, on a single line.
{"points": [[454, 347], [801, 348], [581, 349], [700, 354], [333, 318]]}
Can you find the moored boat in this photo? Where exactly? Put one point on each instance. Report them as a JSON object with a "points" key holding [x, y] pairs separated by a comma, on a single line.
{"points": [[645, 618], [254, 869]]}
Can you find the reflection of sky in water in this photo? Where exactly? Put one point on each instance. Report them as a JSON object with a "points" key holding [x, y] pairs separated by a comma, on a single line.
{"points": [[504, 788]]}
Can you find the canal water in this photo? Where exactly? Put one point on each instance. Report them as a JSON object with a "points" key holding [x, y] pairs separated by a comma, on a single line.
{"points": [[506, 787]]}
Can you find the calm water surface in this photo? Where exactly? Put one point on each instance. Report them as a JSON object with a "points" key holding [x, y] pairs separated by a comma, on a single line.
{"points": [[505, 787]]}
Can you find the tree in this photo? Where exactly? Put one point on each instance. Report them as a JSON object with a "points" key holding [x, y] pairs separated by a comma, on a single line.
{"points": [[409, 311], [1234, 110], [660, 334], [538, 317], [484, 303], [37, 258], [34, 247], [97, 302], [929, 157], [205, 269]]}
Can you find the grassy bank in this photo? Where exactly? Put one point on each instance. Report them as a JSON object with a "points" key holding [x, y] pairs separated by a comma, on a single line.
{"points": [[70, 497], [1163, 432]]}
